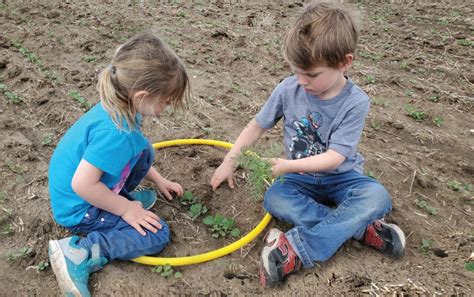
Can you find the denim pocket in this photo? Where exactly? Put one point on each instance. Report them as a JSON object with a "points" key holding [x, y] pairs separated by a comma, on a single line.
{"points": [[91, 215], [108, 219]]}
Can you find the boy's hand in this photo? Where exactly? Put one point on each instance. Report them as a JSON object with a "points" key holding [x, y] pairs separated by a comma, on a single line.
{"points": [[223, 172], [140, 218], [279, 166], [165, 186]]}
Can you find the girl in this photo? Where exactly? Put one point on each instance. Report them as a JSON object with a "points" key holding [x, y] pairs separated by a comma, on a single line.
{"points": [[104, 156]]}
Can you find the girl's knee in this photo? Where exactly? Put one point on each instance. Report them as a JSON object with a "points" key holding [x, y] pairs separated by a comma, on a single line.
{"points": [[162, 237]]}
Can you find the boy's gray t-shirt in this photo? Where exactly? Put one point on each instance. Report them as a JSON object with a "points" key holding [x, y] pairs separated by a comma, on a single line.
{"points": [[312, 126]]}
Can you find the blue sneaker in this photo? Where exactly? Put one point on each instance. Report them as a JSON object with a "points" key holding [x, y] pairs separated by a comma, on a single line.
{"points": [[146, 197], [72, 265]]}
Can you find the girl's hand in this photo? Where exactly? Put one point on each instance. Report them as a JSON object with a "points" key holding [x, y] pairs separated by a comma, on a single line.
{"points": [[165, 186], [140, 218], [224, 172], [279, 166]]}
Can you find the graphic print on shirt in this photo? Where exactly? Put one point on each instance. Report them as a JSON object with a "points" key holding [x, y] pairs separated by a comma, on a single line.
{"points": [[123, 178], [307, 141]]}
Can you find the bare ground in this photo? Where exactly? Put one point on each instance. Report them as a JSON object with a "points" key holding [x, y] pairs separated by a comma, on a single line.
{"points": [[419, 54]]}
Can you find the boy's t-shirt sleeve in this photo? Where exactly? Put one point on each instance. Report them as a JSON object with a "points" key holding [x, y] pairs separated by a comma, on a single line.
{"points": [[272, 110], [345, 139], [109, 150]]}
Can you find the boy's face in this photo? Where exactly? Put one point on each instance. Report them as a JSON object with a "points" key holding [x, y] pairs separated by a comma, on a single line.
{"points": [[322, 81]]}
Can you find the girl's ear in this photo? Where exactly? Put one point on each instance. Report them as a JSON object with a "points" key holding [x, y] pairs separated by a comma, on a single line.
{"points": [[138, 97], [346, 65]]}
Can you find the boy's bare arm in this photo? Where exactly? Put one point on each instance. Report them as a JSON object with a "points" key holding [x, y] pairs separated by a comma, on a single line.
{"points": [[249, 135], [327, 161]]}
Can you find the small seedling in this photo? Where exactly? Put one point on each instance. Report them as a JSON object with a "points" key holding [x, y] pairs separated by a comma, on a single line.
{"points": [[196, 210], [7, 229], [47, 139], [469, 266], [374, 125], [221, 226], [79, 98], [408, 92], [370, 79], [379, 102], [41, 266], [3, 87], [457, 186], [415, 114], [425, 247], [187, 198], [465, 42], [13, 98], [403, 65], [433, 98], [90, 59], [438, 121], [20, 253], [424, 205], [166, 271]]}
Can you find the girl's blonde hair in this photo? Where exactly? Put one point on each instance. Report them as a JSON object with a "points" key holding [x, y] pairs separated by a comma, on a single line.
{"points": [[143, 63], [323, 34]]}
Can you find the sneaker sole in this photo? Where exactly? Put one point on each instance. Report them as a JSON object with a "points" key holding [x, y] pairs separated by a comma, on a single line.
{"points": [[401, 235], [270, 240], [59, 266]]}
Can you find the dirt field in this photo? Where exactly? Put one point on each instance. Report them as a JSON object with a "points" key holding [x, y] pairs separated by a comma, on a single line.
{"points": [[415, 61]]}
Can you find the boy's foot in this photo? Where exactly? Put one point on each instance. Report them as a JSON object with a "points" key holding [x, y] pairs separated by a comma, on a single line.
{"points": [[385, 237], [72, 265], [278, 259], [146, 197]]}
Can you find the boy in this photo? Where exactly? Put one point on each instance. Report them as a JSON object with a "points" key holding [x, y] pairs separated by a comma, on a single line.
{"points": [[324, 114]]}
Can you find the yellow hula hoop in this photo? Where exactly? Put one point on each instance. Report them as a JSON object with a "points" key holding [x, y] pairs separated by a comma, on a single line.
{"points": [[196, 259]]}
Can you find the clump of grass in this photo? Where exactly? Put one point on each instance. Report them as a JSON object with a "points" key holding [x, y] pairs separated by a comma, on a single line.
{"points": [[415, 114], [80, 99], [259, 170], [221, 226], [166, 271], [424, 205], [425, 246]]}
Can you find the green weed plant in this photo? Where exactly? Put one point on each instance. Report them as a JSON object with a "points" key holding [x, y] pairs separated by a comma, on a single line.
{"points": [[424, 205], [196, 210], [259, 170], [166, 271], [415, 114], [221, 226]]}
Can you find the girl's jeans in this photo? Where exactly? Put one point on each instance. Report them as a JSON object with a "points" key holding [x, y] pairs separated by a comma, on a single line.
{"points": [[115, 237], [319, 230]]}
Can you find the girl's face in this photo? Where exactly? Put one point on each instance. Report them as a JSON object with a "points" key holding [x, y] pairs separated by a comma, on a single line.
{"points": [[149, 105]]}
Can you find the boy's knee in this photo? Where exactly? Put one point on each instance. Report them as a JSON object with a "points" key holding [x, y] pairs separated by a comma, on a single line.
{"points": [[272, 200], [380, 196]]}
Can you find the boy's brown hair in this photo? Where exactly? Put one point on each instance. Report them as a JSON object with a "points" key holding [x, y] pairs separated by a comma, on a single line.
{"points": [[323, 35]]}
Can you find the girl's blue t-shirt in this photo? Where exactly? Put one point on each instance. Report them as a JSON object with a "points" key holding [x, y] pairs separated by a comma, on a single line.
{"points": [[96, 139]]}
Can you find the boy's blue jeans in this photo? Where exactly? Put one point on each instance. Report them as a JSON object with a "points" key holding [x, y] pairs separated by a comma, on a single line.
{"points": [[319, 230], [116, 238]]}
